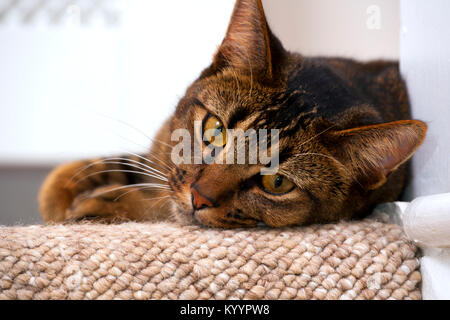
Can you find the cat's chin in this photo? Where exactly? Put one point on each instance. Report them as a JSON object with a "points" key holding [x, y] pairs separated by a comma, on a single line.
{"points": [[185, 220], [188, 216], [192, 217], [184, 217]]}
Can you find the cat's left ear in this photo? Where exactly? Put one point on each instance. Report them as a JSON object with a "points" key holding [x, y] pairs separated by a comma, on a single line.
{"points": [[249, 44], [373, 152]]}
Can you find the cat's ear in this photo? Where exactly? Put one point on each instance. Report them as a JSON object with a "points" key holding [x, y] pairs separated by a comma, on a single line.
{"points": [[373, 152], [249, 44]]}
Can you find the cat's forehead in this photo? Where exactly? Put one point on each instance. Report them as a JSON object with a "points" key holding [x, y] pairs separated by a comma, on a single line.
{"points": [[238, 100], [225, 96], [241, 104], [249, 109], [314, 90]]}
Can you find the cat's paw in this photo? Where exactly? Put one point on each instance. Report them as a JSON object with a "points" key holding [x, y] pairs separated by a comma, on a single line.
{"points": [[99, 189], [108, 204], [58, 191], [75, 190]]}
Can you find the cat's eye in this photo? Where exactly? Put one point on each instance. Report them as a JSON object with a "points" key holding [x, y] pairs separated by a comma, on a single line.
{"points": [[276, 184], [214, 132]]}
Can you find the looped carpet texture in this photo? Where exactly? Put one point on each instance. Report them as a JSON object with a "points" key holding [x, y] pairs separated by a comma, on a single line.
{"points": [[352, 260]]}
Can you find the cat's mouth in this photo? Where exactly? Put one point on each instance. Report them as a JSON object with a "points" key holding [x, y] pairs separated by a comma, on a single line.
{"points": [[195, 207], [189, 216], [214, 218]]}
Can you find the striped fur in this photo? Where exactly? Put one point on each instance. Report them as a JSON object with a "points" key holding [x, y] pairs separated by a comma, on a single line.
{"points": [[345, 139]]}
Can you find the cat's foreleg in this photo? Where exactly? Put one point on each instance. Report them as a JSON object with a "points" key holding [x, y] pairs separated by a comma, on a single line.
{"points": [[110, 189]]}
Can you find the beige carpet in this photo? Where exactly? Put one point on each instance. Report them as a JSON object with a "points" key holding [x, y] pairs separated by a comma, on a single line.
{"points": [[358, 260]]}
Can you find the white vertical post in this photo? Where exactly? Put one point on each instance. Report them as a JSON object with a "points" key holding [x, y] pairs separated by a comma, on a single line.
{"points": [[425, 64]]}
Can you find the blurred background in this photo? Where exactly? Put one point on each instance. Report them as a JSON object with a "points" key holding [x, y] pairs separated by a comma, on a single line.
{"points": [[81, 78]]}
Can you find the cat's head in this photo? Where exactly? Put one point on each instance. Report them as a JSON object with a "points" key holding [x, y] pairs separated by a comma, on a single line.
{"points": [[330, 160]]}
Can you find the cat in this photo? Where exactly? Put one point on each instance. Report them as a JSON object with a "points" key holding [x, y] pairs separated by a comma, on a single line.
{"points": [[345, 137]]}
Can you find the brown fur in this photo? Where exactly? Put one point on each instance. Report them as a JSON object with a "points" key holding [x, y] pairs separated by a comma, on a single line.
{"points": [[345, 136]]}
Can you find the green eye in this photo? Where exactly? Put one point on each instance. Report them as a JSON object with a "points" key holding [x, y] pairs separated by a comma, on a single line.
{"points": [[214, 132], [277, 184]]}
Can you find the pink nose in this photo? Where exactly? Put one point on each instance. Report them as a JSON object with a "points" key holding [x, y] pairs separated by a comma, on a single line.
{"points": [[199, 201]]}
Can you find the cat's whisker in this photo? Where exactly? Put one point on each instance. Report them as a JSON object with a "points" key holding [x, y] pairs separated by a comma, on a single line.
{"points": [[161, 162], [150, 185], [150, 169], [139, 145], [237, 85], [131, 141], [325, 156], [80, 170], [236, 78], [332, 158], [138, 130], [150, 161], [318, 135], [137, 164], [110, 160], [155, 203], [144, 134], [125, 171], [163, 143], [164, 177], [237, 95], [135, 190], [84, 168], [158, 162], [251, 72], [155, 198]]}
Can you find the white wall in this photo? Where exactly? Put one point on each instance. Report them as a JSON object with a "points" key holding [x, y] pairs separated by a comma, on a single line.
{"points": [[61, 84], [425, 63], [363, 29]]}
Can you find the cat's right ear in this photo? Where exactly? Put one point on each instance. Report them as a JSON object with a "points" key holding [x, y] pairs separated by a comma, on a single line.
{"points": [[249, 44], [373, 152]]}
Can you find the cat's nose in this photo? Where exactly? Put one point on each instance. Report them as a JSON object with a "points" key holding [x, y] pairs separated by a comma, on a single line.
{"points": [[200, 201]]}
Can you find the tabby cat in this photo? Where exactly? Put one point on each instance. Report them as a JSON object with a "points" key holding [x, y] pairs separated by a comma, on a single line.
{"points": [[344, 140]]}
